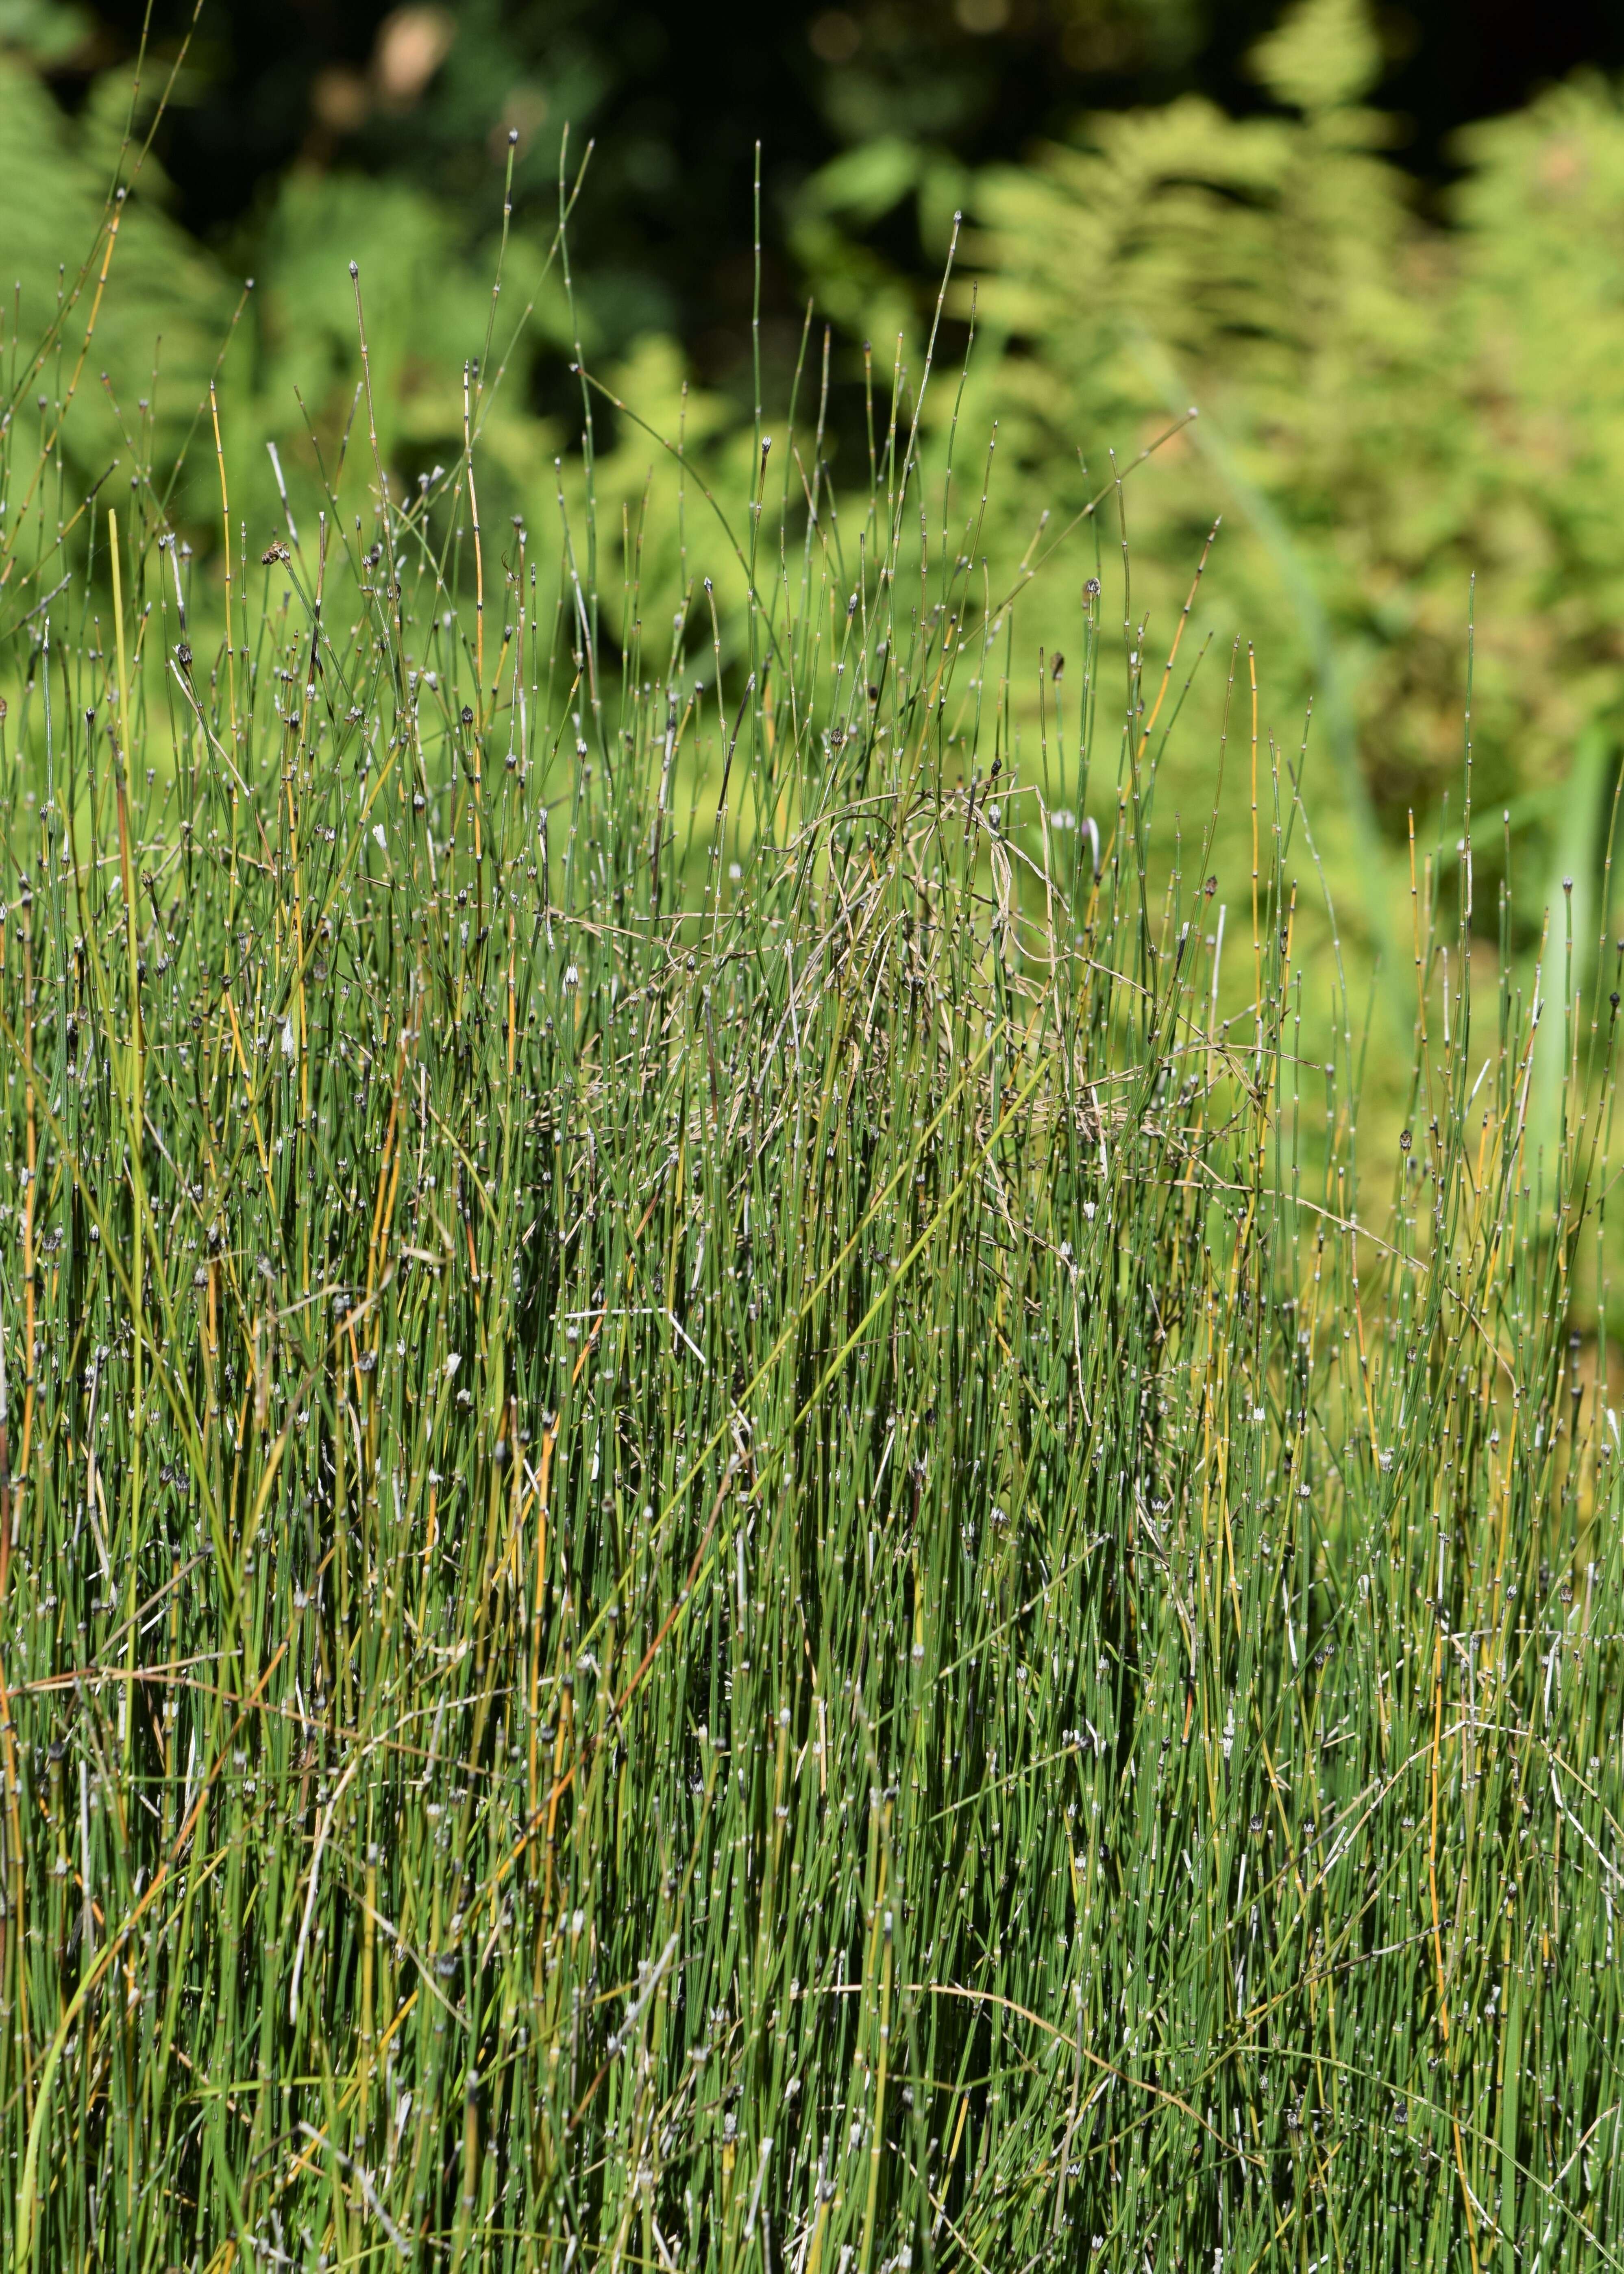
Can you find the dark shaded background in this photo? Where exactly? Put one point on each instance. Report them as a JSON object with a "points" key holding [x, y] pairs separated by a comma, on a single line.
{"points": [[677, 98]]}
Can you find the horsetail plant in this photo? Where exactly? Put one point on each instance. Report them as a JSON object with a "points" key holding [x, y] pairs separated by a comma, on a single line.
{"points": [[739, 1536]]}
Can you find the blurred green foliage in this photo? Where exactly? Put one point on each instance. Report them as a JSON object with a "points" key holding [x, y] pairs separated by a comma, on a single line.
{"points": [[158, 324], [1394, 402], [1390, 408]]}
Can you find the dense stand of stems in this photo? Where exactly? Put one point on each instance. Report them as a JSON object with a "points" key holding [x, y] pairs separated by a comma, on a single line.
{"points": [[726, 1543]]}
